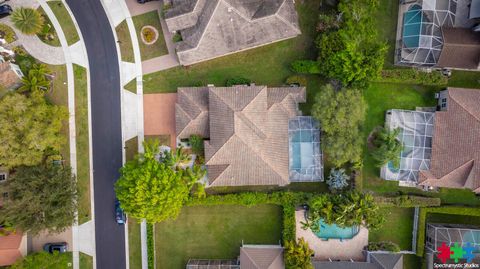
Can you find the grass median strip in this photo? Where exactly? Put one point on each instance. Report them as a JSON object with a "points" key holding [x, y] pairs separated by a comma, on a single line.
{"points": [[86, 261], [83, 157], [135, 244], [63, 17], [125, 42]]}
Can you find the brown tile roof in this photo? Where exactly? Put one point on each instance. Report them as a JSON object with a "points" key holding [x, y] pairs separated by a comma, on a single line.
{"points": [[455, 159], [8, 77], [461, 49], [9, 248], [261, 257], [247, 127]]}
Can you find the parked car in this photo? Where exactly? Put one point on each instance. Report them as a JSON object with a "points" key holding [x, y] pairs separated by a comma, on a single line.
{"points": [[61, 247], [145, 1], [120, 216], [5, 10]]}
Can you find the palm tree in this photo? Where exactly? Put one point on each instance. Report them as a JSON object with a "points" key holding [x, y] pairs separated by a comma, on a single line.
{"points": [[34, 83], [28, 20], [175, 158], [388, 148]]}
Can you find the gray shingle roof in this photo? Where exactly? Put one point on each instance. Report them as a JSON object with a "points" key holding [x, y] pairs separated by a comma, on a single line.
{"points": [[261, 257], [247, 127], [215, 28], [377, 261]]}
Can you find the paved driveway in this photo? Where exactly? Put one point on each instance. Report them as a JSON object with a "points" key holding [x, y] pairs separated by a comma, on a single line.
{"points": [[44, 237], [159, 114], [137, 9]]}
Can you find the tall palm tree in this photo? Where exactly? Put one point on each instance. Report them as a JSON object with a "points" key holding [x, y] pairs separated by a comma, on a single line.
{"points": [[28, 20]]}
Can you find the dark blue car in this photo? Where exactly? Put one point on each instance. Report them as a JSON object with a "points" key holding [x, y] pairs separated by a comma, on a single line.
{"points": [[120, 216]]}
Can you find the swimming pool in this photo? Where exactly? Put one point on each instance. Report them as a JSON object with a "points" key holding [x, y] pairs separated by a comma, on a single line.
{"points": [[412, 23], [335, 232]]}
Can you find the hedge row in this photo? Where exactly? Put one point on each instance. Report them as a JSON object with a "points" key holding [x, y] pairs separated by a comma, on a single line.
{"points": [[150, 246], [453, 210], [412, 76], [407, 201], [287, 200], [383, 246]]}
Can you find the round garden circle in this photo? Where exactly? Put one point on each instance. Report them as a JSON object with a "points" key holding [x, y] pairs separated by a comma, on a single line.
{"points": [[149, 34]]}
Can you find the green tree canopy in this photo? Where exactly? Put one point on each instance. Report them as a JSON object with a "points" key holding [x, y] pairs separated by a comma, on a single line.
{"points": [[387, 147], [36, 79], [30, 126], [153, 190], [41, 197], [44, 260], [345, 210], [298, 255], [341, 114], [28, 20]]}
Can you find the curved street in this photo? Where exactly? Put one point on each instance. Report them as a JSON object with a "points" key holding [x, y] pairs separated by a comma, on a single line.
{"points": [[106, 128]]}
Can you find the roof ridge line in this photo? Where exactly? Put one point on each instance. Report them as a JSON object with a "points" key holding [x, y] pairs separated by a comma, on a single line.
{"points": [[297, 30], [458, 167]]}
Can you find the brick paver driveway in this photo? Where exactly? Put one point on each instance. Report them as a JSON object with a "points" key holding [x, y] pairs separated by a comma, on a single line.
{"points": [[159, 114]]}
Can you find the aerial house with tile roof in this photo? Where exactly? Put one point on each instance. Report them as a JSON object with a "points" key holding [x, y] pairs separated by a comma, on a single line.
{"points": [[254, 135], [214, 28]]}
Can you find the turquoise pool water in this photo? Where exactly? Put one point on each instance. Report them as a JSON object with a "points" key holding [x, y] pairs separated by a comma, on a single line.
{"points": [[335, 232], [412, 23]]}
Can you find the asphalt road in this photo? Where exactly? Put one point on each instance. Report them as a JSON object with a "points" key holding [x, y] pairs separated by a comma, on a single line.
{"points": [[106, 128]]}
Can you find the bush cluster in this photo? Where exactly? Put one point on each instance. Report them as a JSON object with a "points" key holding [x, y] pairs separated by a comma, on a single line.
{"points": [[237, 81], [407, 201], [413, 76], [7, 33], [385, 246]]}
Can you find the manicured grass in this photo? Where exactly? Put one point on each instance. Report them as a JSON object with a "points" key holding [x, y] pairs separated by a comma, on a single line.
{"points": [[156, 49], [267, 65], [68, 27], [86, 261], [386, 22], [59, 96], [125, 42], [399, 220], [464, 79], [131, 86], [411, 261], [51, 30], [214, 232], [380, 97], [315, 187], [83, 155], [131, 148], [134, 243]]}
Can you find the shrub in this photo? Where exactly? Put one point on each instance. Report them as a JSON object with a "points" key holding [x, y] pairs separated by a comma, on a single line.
{"points": [[305, 67], [237, 81], [407, 201], [337, 180], [298, 255], [383, 246], [327, 22], [7, 33], [413, 76], [177, 38], [297, 79], [196, 142], [28, 20], [148, 34]]}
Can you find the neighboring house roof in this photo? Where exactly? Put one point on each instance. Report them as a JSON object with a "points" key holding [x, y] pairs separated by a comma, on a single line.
{"points": [[377, 261], [261, 257], [10, 75], [247, 127], [10, 248], [461, 49], [456, 140], [213, 28]]}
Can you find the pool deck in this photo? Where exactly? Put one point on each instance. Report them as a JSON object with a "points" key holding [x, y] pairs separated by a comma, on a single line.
{"points": [[333, 248]]}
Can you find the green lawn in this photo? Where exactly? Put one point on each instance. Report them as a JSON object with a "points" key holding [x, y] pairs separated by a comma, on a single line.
{"points": [[267, 65], [131, 148], [412, 261], [125, 42], [68, 27], [386, 22], [132, 86], [134, 243], [399, 220], [59, 96], [86, 261], [83, 156], [215, 232], [156, 49], [465, 79], [48, 28]]}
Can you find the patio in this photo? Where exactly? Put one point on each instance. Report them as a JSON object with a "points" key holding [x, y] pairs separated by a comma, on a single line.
{"points": [[333, 248]]}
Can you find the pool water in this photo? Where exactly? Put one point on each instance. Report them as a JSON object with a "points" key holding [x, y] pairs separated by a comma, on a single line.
{"points": [[412, 23], [335, 232]]}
